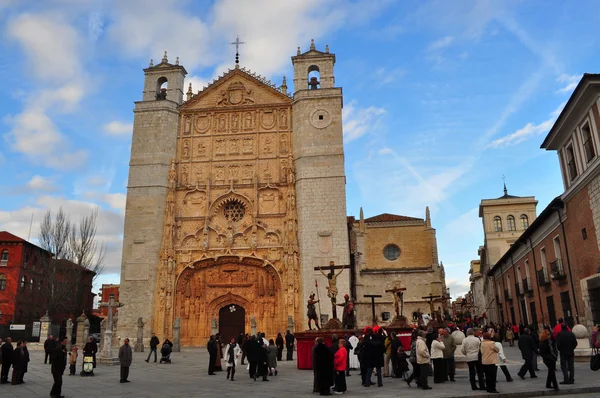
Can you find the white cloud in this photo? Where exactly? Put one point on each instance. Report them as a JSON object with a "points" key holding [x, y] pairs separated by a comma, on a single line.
{"points": [[116, 201], [40, 183], [458, 288], [527, 131], [569, 83], [118, 128], [359, 121], [441, 43]]}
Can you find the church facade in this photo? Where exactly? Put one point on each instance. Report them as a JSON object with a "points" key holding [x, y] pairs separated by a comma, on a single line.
{"points": [[236, 198]]}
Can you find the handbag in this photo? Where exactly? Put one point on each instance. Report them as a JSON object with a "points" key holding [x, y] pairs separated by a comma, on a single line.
{"points": [[595, 360]]}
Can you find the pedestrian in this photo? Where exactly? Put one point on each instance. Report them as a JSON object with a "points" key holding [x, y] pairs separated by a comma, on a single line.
{"points": [[549, 355], [211, 347], [17, 364], [272, 352], [252, 347], [48, 348], [502, 358], [340, 363], [510, 336], [396, 345], [279, 343], [154, 342], [348, 347], [332, 350], [314, 365], [73, 361], [388, 356], [26, 360], [353, 354], [362, 357], [289, 345], [374, 351], [536, 345], [470, 349], [449, 347], [489, 360], [243, 347], [423, 358], [219, 357], [594, 340], [263, 362], [7, 358], [125, 358], [527, 346], [437, 357], [59, 363], [323, 370], [90, 349], [413, 359], [566, 342], [515, 329], [232, 354], [558, 328]]}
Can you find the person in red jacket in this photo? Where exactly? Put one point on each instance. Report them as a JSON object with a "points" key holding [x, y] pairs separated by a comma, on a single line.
{"points": [[558, 328], [339, 366]]}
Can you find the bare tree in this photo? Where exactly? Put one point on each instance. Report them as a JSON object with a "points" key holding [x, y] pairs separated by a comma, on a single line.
{"points": [[75, 251]]}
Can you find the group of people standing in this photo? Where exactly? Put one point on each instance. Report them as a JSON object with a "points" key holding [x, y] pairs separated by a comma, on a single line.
{"points": [[17, 358]]}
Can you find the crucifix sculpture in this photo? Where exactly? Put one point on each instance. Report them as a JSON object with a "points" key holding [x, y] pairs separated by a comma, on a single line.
{"points": [[398, 293], [373, 297], [237, 43], [332, 290], [431, 298], [107, 347]]}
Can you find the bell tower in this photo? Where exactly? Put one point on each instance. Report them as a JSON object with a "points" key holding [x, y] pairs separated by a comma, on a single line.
{"points": [[155, 126], [320, 176]]}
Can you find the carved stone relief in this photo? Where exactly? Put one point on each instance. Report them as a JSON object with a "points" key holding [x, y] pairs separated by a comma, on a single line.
{"points": [[249, 122], [220, 147], [202, 123], [268, 201], [185, 151], [268, 144], [283, 144], [194, 203], [236, 94], [202, 148], [187, 125], [268, 119], [283, 118], [222, 122], [247, 145]]}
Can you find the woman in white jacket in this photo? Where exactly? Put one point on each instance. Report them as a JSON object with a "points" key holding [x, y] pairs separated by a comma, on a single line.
{"points": [[437, 356], [502, 358], [231, 355]]}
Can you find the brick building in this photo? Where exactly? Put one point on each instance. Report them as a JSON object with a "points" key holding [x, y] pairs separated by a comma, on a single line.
{"points": [[26, 283], [105, 293], [552, 270]]}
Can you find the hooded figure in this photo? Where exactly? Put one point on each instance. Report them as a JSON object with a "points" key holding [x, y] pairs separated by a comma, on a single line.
{"points": [[323, 370]]}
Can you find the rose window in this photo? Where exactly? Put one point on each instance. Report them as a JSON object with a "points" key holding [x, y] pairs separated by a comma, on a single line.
{"points": [[234, 211]]}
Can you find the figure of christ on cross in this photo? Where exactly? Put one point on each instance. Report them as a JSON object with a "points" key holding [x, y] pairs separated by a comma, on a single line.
{"points": [[332, 290], [431, 298], [398, 293]]}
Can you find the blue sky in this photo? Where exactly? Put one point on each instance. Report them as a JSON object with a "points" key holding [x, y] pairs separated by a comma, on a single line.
{"points": [[441, 98]]}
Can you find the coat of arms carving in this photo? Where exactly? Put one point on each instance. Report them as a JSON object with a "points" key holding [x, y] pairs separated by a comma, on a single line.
{"points": [[236, 94]]}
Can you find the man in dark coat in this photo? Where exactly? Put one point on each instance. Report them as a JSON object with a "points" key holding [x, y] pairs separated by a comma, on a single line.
{"points": [[289, 344], [154, 342], [125, 358], [59, 363], [211, 346], [7, 358], [49, 345], [263, 367], [279, 344], [527, 347], [566, 342], [90, 349], [17, 364], [25, 361], [374, 350], [332, 350], [243, 346], [396, 344], [323, 370]]}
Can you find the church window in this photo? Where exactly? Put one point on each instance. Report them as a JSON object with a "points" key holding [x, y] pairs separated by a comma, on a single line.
{"points": [[511, 223], [497, 224], [2, 282], [588, 144], [391, 252], [234, 211], [524, 222], [314, 76], [571, 166], [4, 259], [161, 88]]}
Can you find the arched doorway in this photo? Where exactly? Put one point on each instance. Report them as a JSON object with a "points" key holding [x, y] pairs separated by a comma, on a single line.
{"points": [[232, 321]]}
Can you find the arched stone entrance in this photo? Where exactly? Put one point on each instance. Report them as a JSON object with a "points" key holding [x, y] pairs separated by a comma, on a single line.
{"points": [[232, 321]]}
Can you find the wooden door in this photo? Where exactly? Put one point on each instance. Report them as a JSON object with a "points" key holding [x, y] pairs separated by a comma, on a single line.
{"points": [[232, 321]]}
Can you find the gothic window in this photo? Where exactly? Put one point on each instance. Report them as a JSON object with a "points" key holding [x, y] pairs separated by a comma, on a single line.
{"points": [[497, 224], [391, 252], [524, 222], [511, 223], [588, 144], [2, 282], [234, 211], [4, 258]]}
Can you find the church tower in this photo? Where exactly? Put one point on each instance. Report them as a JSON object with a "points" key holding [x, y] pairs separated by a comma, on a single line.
{"points": [[320, 178], [152, 150]]}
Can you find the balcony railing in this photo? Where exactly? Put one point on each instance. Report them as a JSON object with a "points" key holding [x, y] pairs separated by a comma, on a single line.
{"points": [[542, 277], [507, 295], [558, 272]]}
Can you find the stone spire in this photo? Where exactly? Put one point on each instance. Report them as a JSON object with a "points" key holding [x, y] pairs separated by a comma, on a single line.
{"points": [[505, 190], [361, 222], [164, 58], [298, 52], [326, 48], [312, 44], [151, 63], [283, 87], [427, 217], [189, 93]]}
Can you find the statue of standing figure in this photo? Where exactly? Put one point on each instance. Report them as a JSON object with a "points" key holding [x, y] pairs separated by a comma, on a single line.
{"points": [[312, 312], [348, 314]]}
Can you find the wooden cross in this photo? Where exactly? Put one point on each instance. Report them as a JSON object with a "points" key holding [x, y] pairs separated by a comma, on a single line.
{"points": [[237, 43], [398, 293], [373, 297], [332, 280], [431, 298]]}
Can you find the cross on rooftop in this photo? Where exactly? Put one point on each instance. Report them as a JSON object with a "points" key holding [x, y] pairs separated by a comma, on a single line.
{"points": [[237, 43]]}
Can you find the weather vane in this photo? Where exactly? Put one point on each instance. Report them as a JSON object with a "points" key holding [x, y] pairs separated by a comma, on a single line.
{"points": [[237, 43]]}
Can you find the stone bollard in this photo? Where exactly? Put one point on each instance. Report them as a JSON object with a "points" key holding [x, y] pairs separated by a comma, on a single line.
{"points": [[102, 330], [583, 352], [81, 338], [459, 359], [69, 334], [139, 344], [176, 328], [45, 326]]}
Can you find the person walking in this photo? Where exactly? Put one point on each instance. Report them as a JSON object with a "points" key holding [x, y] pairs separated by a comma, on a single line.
{"points": [[510, 336], [252, 347], [48, 348], [59, 363], [374, 350], [272, 352], [323, 370], [353, 354], [279, 344], [396, 345], [549, 355], [263, 362], [388, 356], [17, 364], [340, 363], [422, 360], [73, 361], [289, 344], [90, 349], [470, 349], [211, 347], [125, 358], [412, 358], [242, 345], [558, 328], [154, 342], [437, 357], [502, 358], [489, 360], [26, 360], [232, 355], [566, 342], [536, 346], [449, 348], [527, 346], [332, 350], [7, 358]]}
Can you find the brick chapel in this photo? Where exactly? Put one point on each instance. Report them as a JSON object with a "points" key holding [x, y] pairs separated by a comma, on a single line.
{"points": [[236, 198]]}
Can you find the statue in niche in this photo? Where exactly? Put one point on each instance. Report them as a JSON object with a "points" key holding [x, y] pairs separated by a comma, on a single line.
{"points": [[284, 118], [184, 176], [234, 146], [161, 301], [235, 122], [199, 175], [172, 175], [170, 264], [283, 144], [248, 121], [222, 123], [187, 125], [178, 231], [186, 149], [201, 149], [229, 237], [290, 176], [268, 145], [253, 242], [220, 147]]}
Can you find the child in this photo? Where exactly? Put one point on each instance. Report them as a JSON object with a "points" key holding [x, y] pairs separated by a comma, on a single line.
{"points": [[72, 361]]}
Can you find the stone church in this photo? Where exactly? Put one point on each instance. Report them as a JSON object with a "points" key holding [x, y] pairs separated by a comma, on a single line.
{"points": [[236, 199]]}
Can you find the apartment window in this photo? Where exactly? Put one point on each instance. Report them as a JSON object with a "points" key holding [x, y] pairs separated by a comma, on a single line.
{"points": [[497, 224], [31, 286], [25, 259], [23, 282], [4, 258], [571, 166], [2, 282], [511, 223], [524, 222], [556, 243], [39, 286], [543, 259], [588, 143]]}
